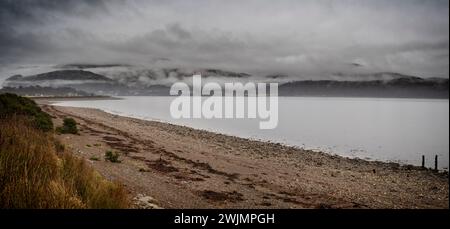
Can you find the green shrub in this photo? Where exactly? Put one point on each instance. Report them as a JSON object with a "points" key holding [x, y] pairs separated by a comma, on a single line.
{"points": [[11, 104], [69, 127], [112, 156], [43, 121], [94, 158]]}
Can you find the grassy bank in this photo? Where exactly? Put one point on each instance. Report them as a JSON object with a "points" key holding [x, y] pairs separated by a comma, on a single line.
{"points": [[37, 172]]}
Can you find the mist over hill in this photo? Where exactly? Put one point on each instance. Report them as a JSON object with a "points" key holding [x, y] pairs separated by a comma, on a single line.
{"points": [[38, 91], [405, 87], [157, 82]]}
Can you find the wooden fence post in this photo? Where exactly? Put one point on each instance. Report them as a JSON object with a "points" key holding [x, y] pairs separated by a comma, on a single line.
{"points": [[423, 161], [436, 163]]}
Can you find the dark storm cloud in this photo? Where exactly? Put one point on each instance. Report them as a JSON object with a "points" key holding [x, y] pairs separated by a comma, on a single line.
{"points": [[35, 11], [303, 38], [15, 15]]}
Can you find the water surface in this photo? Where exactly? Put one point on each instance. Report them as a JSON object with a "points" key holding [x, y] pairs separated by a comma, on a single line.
{"points": [[398, 130]]}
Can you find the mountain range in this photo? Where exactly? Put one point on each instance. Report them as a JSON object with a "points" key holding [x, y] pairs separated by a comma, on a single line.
{"points": [[144, 82]]}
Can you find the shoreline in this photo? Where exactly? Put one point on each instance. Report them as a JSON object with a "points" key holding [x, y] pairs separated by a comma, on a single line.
{"points": [[220, 171], [51, 100], [316, 149]]}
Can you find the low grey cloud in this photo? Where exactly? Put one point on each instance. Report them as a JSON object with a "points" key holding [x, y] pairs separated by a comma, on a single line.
{"points": [[308, 39]]}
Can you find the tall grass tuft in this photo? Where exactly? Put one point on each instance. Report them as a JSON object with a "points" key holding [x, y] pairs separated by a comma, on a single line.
{"points": [[34, 175]]}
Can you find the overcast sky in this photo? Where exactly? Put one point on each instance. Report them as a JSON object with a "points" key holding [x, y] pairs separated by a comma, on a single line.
{"points": [[304, 38]]}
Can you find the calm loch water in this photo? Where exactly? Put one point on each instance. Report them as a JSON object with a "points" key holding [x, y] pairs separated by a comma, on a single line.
{"points": [[398, 130]]}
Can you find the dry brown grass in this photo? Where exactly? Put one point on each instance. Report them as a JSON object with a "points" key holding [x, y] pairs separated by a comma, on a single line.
{"points": [[36, 172]]}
